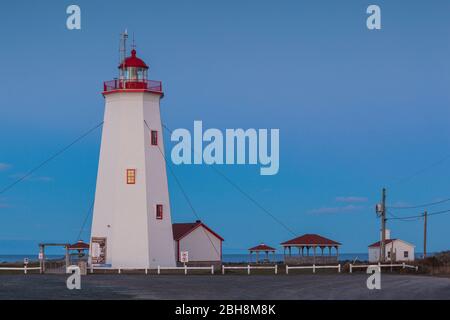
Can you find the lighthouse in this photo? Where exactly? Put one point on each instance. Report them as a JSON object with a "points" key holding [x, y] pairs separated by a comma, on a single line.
{"points": [[132, 225]]}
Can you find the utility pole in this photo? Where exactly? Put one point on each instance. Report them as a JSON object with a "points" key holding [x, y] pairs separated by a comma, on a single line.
{"points": [[383, 225], [425, 216]]}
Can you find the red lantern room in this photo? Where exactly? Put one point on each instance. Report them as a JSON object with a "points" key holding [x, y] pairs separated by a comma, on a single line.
{"points": [[133, 68], [133, 77]]}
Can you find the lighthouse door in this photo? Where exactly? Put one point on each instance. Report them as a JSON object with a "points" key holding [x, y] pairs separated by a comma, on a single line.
{"points": [[98, 250]]}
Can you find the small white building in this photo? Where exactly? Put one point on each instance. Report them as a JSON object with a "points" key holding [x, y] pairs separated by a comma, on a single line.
{"points": [[203, 245], [397, 250]]}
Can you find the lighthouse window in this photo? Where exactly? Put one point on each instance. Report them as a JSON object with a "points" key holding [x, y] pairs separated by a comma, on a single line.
{"points": [[154, 137], [159, 211], [132, 73], [131, 176]]}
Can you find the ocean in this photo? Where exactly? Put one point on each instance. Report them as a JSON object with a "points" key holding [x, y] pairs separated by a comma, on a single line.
{"points": [[230, 258], [233, 258], [17, 258], [236, 258]]}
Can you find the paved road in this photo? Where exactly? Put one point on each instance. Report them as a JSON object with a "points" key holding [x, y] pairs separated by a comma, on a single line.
{"points": [[194, 287]]}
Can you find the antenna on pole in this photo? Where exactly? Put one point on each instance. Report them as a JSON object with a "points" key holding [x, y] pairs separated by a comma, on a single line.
{"points": [[133, 44], [380, 209], [123, 52]]}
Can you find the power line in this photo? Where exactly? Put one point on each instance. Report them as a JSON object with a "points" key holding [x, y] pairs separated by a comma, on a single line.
{"points": [[29, 173], [420, 205], [245, 193], [421, 215], [406, 219], [435, 164], [88, 214], [188, 200]]}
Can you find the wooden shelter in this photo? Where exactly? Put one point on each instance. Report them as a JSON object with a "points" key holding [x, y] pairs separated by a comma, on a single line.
{"points": [[311, 242], [262, 248]]}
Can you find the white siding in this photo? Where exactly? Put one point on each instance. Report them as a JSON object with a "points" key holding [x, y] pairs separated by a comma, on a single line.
{"points": [[202, 245], [125, 214], [399, 248]]}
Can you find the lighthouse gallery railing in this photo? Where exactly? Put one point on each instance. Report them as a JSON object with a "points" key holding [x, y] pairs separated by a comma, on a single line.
{"points": [[117, 84]]}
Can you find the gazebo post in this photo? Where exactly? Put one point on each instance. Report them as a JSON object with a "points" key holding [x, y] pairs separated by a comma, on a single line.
{"points": [[257, 256], [314, 254], [337, 253], [67, 256], [311, 241], [41, 256]]}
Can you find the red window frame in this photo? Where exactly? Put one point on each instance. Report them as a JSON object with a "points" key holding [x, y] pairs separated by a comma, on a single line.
{"points": [[154, 138], [131, 176], [159, 212]]}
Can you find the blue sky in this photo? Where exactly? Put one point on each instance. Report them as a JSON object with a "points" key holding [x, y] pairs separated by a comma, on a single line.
{"points": [[357, 110]]}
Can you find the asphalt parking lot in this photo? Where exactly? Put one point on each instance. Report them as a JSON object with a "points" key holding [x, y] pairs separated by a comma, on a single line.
{"points": [[242, 287]]}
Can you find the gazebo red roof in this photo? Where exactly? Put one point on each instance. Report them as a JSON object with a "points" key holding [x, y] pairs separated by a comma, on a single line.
{"points": [[262, 247], [80, 245], [180, 230], [311, 240]]}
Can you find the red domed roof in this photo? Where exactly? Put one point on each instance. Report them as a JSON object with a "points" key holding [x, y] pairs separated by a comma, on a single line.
{"points": [[133, 61]]}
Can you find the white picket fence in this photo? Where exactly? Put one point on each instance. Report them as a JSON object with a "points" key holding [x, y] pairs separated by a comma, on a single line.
{"points": [[379, 265], [249, 268], [186, 268], [25, 269], [158, 269], [313, 267]]}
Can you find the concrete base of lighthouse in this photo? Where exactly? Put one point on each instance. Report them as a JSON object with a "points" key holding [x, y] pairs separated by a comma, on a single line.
{"points": [[127, 229]]}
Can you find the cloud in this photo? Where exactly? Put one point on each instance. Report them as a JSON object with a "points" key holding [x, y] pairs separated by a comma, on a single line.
{"points": [[32, 178], [4, 204], [42, 179], [4, 166], [351, 199], [336, 210]]}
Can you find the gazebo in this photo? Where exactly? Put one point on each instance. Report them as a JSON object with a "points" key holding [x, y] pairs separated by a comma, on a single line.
{"points": [[77, 251], [80, 246], [308, 242], [262, 248]]}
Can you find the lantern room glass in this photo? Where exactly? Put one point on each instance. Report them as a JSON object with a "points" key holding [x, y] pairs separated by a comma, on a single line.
{"points": [[135, 74]]}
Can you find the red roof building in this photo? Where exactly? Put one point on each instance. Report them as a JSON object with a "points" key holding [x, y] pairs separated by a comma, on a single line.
{"points": [[378, 243], [202, 244]]}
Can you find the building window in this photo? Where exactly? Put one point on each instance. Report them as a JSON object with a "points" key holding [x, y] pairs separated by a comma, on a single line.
{"points": [[389, 254], [154, 138], [159, 211], [405, 254], [131, 176]]}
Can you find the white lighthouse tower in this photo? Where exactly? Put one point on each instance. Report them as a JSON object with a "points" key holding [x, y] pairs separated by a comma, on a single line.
{"points": [[132, 225]]}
